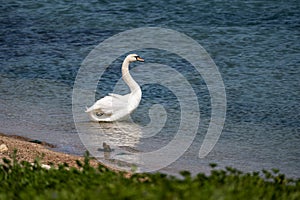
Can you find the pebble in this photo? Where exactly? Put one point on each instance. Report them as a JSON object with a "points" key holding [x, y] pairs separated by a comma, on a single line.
{"points": [[3, 148], [43, 166]]}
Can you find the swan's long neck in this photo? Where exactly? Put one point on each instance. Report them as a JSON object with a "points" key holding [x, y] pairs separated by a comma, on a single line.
{"points": [[133, 86]]}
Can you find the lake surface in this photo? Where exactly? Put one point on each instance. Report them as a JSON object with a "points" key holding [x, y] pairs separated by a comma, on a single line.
{"points": [[255, 45]]}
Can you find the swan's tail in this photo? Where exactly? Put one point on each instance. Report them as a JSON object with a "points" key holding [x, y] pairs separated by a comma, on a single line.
{"points": [[90, 109]]}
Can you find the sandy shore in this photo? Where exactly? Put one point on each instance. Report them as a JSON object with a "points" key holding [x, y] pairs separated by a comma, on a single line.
{"points": [[29, 150]]}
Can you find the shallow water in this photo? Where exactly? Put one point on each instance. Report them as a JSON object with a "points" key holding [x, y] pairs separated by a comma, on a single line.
{"points": [[255, 45]]}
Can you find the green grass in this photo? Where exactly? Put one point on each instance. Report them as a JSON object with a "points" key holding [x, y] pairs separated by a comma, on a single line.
{"points": [[26, 181]]}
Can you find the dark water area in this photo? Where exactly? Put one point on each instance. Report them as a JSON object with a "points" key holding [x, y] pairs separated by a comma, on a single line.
{"points": [[255, 45]]}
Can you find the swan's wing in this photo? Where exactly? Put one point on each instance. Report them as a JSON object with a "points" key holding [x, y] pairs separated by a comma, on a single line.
{"points": [[103, 105], [110, 104], [117, 95]]}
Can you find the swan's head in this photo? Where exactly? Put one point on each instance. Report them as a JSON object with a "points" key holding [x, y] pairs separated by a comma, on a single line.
{"points": [[134, 57]]}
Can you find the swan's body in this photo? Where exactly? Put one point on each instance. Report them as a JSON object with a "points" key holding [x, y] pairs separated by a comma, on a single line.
{"points": [[114, 106]]}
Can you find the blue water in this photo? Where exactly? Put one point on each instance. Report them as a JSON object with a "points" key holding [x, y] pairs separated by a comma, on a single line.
{"points": [[255, 45]]}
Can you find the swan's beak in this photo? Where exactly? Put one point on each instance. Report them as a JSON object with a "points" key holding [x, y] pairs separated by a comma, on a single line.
{"points": [[140, 59]]}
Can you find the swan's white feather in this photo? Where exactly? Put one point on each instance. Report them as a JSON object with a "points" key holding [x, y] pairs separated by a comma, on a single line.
{"points": [[116, 95], [114, 106], [109, 104]]}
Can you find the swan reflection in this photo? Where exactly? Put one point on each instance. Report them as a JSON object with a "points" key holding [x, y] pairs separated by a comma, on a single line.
{"points": [[113, 143]]}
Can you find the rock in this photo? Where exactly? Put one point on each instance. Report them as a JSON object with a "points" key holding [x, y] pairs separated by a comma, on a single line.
{"points": [[46, 166], [3, 148], [43, 166]]}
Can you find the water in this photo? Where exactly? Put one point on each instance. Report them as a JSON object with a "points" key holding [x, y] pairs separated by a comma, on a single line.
{"points": [[255, 45]]}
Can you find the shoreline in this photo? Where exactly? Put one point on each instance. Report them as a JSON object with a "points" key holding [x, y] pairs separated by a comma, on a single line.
{"points": [[29, 150]]}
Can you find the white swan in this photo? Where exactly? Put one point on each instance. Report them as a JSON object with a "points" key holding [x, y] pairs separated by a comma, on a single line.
{"points": [[114, 106]]}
